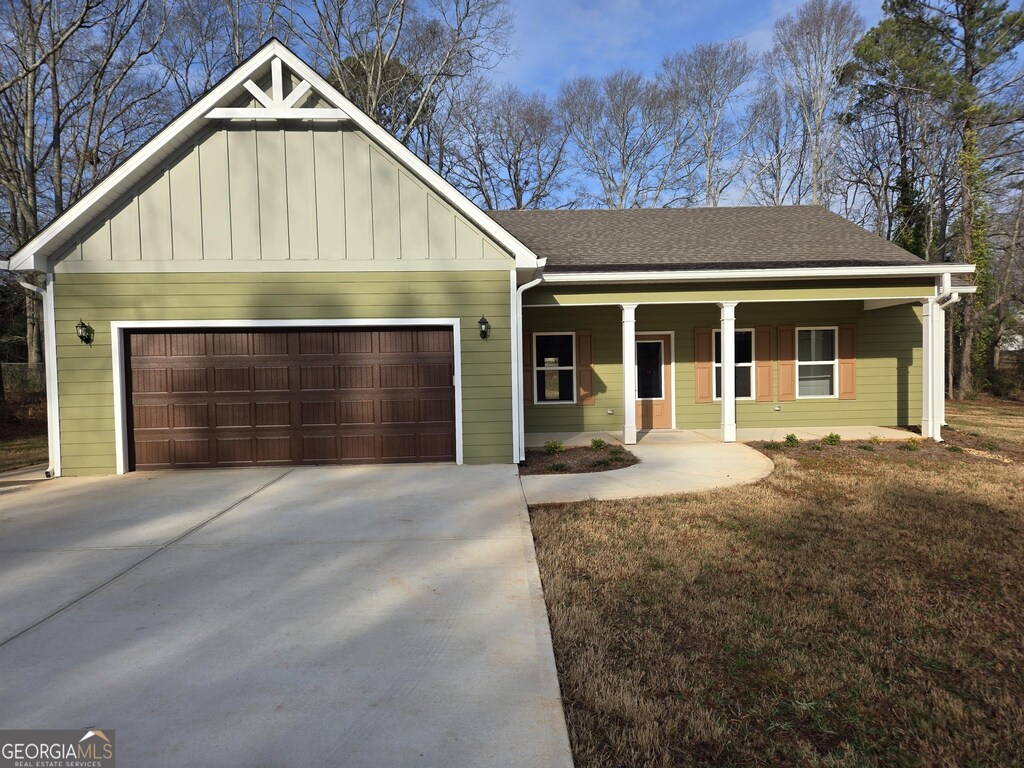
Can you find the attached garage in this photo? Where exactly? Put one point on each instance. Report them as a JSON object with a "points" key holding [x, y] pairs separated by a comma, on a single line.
{"points": [[234, 397]]}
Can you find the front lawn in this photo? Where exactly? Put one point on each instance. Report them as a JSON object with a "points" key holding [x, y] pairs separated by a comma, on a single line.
{"points": [[23, 437], [857, 607]]}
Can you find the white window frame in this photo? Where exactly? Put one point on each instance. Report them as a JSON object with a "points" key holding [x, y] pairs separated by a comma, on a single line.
{"points": [[535, 368], [835, 361], [716, 365]]}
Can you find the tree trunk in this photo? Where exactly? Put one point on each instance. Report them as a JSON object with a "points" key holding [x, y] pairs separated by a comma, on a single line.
{"points": [[34, 324]]}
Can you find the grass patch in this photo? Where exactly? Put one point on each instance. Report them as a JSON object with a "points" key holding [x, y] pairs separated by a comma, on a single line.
{"points": [[849, 610], [22, 451]]}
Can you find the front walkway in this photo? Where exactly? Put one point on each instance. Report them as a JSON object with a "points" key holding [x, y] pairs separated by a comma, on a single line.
{"points": [[670, 462]]}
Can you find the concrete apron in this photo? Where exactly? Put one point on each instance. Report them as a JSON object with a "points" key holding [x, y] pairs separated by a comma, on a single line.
{"points": [[670, 463], [315, 616]]}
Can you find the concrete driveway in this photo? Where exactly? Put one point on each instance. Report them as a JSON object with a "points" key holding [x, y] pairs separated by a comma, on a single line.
{"points": [[311, 616]]}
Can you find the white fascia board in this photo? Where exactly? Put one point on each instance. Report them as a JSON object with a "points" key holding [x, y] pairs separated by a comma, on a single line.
{"points": [[792, 273], [525, 258]]}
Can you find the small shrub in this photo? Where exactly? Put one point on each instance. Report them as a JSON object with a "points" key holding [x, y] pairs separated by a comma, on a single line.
{"points": [[910, 444], [875, 440], [990, 445], [866, 447], [791, 441], [832, 438], [601, 463], [617, 453], [598, 444], [554, 446], [559, 466], [773, 445], [816, 447], [954, 449]]}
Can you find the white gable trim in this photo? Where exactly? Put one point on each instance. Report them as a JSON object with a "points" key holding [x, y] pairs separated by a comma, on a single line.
{"points": [[35, 255]]}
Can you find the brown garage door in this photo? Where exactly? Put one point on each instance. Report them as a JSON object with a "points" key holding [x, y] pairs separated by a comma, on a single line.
{"points": [[242, 398]]}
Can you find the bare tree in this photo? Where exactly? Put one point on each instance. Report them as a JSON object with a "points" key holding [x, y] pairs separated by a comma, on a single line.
{"points": [[811, 47], [709, 82], [511, 149], [776, 151], [67, 123], [631, 139], [20, 20], [392, 58], [206, 39]]}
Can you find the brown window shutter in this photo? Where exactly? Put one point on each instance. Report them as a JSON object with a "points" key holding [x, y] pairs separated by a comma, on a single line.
{"points": [[786, 346], [704, 368], [528, 368], [847, 362], [584, 368], [763, 361]]}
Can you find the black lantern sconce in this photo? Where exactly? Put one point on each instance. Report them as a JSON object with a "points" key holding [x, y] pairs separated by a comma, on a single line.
{"points": [[485, 327], [85, 332]]}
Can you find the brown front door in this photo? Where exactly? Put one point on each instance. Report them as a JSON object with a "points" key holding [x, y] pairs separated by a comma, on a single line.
{"points": [[233, 398], [653, 381]]}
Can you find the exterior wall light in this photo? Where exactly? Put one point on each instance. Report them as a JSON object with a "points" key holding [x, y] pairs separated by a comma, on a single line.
{"points": [[485, 328], [85, 332]]}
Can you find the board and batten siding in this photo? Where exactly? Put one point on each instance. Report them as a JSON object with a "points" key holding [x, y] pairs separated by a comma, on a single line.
{"points": [[251, 197], [85, 373], [888, 365]]}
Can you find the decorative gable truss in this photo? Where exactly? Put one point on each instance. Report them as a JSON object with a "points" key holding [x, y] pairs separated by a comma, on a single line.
{"points": [[300, 103]]}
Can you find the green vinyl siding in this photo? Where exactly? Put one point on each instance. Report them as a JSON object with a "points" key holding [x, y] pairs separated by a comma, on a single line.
{"points": [[888, 365], [85, 373]]}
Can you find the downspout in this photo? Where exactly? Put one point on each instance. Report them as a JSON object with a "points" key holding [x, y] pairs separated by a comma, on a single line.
{"points": [[519, 433], [50, 366], [946, 298]]}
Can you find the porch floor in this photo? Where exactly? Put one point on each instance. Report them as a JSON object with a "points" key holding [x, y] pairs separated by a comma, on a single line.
{"points": [[743, 435]]}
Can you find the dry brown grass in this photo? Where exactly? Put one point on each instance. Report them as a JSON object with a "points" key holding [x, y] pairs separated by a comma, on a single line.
{"points": [[852, 609], [23, 437]]}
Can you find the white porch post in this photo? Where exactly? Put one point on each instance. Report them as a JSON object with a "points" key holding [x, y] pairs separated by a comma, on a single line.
{"points": [[939, 337], [728, 339], [928, 367], [629, 374]]}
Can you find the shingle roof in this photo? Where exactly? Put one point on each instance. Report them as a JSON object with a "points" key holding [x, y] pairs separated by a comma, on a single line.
{"points": [[699, 238]]}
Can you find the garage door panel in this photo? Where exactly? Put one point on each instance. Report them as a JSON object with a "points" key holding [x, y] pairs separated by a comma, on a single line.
{"points": [[290, 397], [187, 416]]}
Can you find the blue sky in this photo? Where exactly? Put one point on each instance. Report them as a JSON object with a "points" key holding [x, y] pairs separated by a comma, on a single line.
{"points": [[558, 39]]}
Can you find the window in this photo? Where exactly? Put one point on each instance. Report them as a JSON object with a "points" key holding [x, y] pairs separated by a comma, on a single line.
{"points": [[554, 362], [744, 364], [817, 365]]}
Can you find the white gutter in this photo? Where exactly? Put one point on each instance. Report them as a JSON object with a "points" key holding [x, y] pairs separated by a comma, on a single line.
{"points": [[789, 273], [50, 366], [518, 412]]}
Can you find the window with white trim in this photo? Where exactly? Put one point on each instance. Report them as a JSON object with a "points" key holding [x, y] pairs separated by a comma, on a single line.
{"points": [[744, 364], [554, 364], [817, 362]]}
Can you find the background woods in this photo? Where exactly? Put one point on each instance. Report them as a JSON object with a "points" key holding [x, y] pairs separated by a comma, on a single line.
{"points": [[912, 128]]}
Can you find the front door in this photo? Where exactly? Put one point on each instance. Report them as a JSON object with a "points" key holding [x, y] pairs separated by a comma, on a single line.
{"points": [[653, 381]]}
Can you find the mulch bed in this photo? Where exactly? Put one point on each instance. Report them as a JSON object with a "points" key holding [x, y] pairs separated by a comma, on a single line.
{"points": [[956, 445], [574, 460]]}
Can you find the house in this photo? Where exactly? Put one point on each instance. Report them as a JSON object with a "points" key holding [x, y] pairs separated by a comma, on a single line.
{"points": [[273, 279]]}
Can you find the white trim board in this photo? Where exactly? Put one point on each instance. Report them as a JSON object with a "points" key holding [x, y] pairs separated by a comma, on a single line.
{"points": [[715, 302], [788, 273], [117, 327]]}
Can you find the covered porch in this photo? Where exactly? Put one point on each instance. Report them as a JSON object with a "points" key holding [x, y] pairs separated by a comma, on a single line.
{"points": [[734, 362]]}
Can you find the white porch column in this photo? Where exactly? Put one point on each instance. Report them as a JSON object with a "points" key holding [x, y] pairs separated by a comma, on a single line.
{"points": [[928, 367], [728, 338], [629, 374], [939, 335]]}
